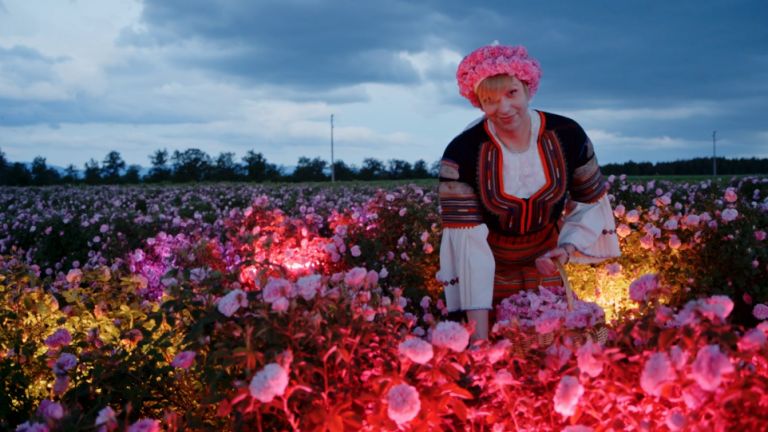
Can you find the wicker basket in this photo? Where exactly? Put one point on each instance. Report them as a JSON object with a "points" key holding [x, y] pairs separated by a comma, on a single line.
{"points": [[529, 338]]}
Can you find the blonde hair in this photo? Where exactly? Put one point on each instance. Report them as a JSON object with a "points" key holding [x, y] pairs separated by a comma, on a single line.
{"points": [[492, 87]]}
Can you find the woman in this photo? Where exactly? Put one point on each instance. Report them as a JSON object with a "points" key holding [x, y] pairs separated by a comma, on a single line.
{"points": [[504, 185]]}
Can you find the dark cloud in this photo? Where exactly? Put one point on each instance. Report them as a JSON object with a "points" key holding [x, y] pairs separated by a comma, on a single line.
{"points": [[677, 48], [23, 65]]}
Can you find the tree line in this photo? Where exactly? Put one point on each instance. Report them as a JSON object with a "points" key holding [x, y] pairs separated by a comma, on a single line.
{"points": [[695, 166], [195, 165]]}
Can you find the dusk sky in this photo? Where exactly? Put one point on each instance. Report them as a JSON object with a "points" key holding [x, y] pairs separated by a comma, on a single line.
{"points": [[648, 80]]}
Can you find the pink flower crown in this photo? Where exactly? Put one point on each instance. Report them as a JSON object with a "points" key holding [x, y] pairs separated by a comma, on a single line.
{"points": [[493, 60]]}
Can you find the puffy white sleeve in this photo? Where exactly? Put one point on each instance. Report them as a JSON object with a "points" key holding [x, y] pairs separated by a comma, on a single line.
{"points": [[467, 268], [591, 229]]}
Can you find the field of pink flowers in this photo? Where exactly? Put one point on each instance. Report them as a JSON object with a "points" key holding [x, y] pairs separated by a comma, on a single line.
{"points": [[241, 307]]}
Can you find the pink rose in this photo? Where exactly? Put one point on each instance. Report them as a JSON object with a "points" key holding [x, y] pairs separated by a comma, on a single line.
{"points": [[403, 403], [694, 396], [50, 410], [269, 382], [709, 367], [729, 214], [107, 418], [277, 288], [641, 289], [64, 363], [578, 428], [355, 251], [498, 350], [549, 321], [59, 338], [32, 427], [752, 340], [646, 241], [633, 216], [355, 277], [74, 276], [588, 357], [657, 371], [678, 356], [674, 242], [760, 235], [184, 359], [230, 303], [61, 384], [371, 279], [691, 220], [718, 306], [730, 195], [308, 286], [503, 378], [623, 230], [567, 395], [760, 311], [557, 356], [676, 420], [281, 304], [619, 211], [451, 335], [145, 425], [416, 349]]}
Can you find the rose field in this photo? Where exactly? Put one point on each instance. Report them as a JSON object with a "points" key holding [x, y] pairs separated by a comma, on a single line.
{"points": [[239, 307]]}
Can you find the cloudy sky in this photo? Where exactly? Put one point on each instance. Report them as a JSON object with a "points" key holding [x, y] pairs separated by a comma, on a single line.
{"points": [[648, 80]]}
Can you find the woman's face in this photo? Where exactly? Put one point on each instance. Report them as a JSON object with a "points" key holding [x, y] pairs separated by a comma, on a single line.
{"points": [[508, 108]]}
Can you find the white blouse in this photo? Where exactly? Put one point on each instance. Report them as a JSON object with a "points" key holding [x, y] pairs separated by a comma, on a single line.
{"points": [[466, 257]]}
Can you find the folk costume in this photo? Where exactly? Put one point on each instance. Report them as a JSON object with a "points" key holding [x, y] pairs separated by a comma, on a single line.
{"points": [[502, 209], [511, 210]]}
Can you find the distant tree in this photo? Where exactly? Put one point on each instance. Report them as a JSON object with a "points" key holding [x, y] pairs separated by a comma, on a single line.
{"points": [[132, 174], [225, 168], [258, 169], [420, 170], [310, 170], [399, 169], [3, 167], [372, 169], [92, 172], [71, 174], [191, 165], [160, 170], [18, 175], [342, 171], [112, 167], [434, 169], [42, 174]]}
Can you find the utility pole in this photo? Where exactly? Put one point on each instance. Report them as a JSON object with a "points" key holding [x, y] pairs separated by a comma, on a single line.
{"points": [[333, 175], [714, 153]]}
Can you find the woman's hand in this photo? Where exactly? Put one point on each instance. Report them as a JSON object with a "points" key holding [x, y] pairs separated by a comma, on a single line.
{"points": [[545, 264]]}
